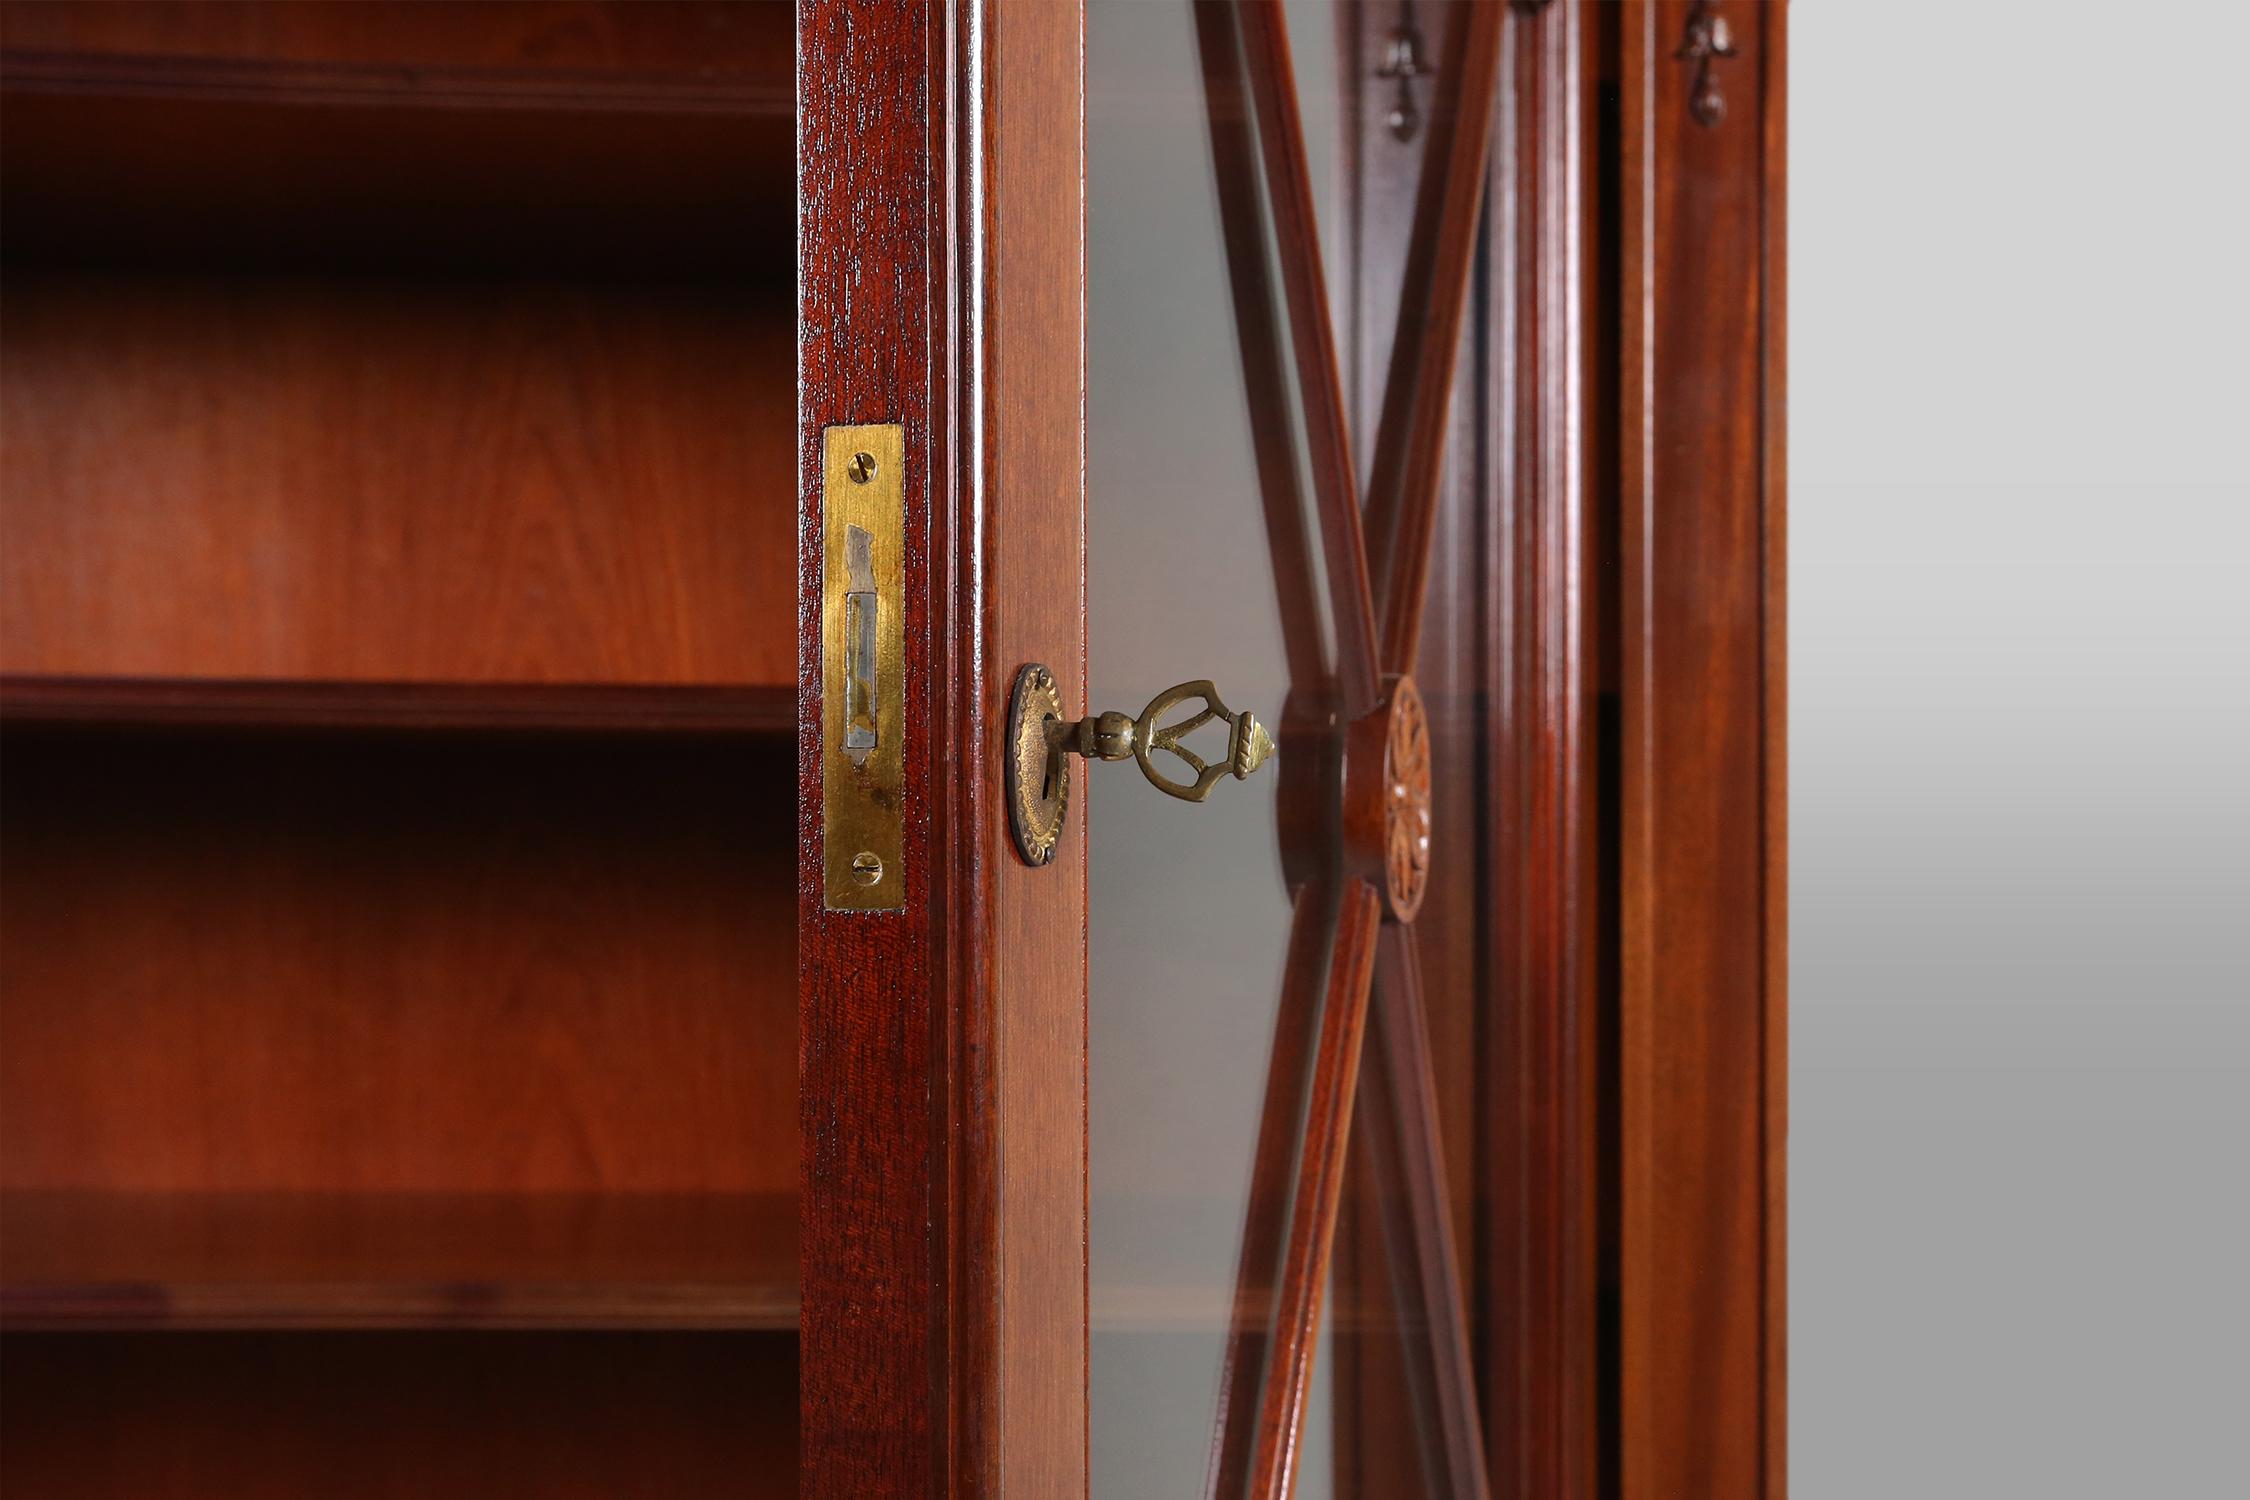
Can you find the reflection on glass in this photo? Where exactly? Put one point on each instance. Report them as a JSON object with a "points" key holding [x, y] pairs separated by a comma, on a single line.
{"points": [[1190, 911]]}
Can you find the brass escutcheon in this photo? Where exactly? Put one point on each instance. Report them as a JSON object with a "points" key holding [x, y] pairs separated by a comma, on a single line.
{"points": [[1041, 741]]}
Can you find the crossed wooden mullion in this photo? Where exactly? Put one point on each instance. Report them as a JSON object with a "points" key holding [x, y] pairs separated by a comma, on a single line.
{"points": [[1340, 947]]}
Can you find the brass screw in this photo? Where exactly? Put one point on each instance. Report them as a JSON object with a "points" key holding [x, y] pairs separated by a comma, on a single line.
{"points": [[862, 469], [866, 868]]}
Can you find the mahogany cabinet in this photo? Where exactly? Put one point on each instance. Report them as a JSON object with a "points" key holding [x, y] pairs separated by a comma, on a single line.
{"points": [[1356, 1072]]}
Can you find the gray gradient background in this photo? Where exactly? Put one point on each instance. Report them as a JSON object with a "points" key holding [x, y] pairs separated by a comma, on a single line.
{"points": [[2020, 745]]}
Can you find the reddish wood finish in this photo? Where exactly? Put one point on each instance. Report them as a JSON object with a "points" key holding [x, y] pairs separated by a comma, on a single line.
{"points": [[1268, 1367], [1539, 1236], [236, 703], [203, 478], [870, 206], [108, 1261], [1306, 981], [1264, 341], [399, 1416], [1410, 443], [944, 1063], [1312, 343], [336, 964], [1401, 1119], [1700, 1049], [1773, 499], [549, 44], [1018, 523]]}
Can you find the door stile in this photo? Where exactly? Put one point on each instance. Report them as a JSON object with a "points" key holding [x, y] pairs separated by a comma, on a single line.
{"points": [[1700, 858], [1539, 1236], [868, 1053], [1020, 1100], [942, 1045]]}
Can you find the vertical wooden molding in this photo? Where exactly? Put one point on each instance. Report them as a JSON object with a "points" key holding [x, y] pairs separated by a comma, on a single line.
{"points": [[1021, 1107], [942, 1051], [1538, 1238], [1700, 1053], [1774, 351], [867, 1005]]}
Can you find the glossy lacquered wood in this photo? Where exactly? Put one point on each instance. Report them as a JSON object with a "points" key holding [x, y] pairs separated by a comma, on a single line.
{"points": [[376, 964], [1700, 1008], [93, 1260], [1018, 529], [1538, 1256], [369, 480]]}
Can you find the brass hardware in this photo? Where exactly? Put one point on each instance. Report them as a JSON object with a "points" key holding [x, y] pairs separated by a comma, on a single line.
{"points": [[1041, 741], [862, 677]]}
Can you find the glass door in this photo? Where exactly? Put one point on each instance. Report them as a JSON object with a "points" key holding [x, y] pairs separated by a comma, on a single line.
{"points": [[1255, 1000]]}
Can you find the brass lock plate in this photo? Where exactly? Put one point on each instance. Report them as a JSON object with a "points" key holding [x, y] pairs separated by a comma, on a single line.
{"points": [[1038, 773], [863, 667]]}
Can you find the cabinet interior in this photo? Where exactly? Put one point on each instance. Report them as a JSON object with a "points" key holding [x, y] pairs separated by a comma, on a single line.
{"points": [[397, 762]]}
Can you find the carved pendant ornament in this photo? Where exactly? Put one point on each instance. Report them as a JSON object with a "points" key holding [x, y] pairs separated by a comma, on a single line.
{"points": [[1707, 40]]}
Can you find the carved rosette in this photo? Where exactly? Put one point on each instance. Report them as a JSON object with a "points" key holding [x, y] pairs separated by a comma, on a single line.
{"points": [[1406, 777], [1387, 815]]}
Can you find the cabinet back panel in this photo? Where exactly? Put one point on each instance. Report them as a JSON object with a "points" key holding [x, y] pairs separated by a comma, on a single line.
{"points": [[345, 963], [368, 479], [364, 1415]]}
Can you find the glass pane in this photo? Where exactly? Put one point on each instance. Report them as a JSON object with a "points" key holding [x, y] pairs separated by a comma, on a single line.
{"points": [[1203, 550], [1190, 911]]}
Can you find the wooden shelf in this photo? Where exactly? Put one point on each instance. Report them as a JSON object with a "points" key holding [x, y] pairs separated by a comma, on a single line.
{"points": [[123, 1260], [254, 703]]}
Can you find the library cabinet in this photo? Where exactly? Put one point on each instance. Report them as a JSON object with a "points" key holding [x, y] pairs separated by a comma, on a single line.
{"points": [[970, 747]]}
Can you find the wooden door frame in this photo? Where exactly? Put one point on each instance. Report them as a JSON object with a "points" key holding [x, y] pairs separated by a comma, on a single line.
{"points": [[1632, 1112], [942, 1053], [1699, 1111]]}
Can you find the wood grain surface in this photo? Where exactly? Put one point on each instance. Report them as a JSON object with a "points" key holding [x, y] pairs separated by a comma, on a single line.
{"points": [[347, 479], [1021, 1112], [1538, 1251], [108, 1261], [339, 964], [1700, 1007], [872, 1068]]}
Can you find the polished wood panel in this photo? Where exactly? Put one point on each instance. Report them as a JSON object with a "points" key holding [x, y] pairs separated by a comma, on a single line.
{"points": [[394, 964], [354, 479], [96, 1260], [357, 1416], [1699, 1050], [126, 702], [878, 1120], [1538, 1109], [1022, 1230]]}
